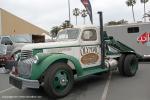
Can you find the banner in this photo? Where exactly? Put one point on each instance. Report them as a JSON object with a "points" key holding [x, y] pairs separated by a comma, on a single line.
{"points": [[88, 7]]}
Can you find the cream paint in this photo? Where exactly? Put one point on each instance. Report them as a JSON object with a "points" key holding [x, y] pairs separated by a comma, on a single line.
{"points": [[72, 48], [60, 44], [75, 52]]}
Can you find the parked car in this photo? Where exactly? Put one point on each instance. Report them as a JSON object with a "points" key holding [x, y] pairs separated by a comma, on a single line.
{"points": [[13, 45]]}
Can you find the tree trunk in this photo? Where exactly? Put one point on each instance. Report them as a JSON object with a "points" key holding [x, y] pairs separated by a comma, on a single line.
{"points": [[133, 14], [84, 20], [76, 20]]}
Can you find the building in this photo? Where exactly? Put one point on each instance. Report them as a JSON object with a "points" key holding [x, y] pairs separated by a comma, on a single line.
{"points": [[12, 25]]}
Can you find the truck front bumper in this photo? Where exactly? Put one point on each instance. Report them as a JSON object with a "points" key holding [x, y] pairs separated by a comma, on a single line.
{"points": [[23, 83]]}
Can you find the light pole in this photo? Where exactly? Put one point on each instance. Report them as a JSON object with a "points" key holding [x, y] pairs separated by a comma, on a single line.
{"points": [[69, 10]]}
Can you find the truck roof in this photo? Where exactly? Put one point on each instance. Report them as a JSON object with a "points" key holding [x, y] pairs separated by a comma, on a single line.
{"points": [[86, 26]]}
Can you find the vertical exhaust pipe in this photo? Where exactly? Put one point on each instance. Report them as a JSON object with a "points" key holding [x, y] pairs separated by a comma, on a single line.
{"points": [[102, 45]]}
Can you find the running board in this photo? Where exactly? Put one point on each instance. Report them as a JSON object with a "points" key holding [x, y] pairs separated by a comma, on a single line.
{"points": [[93, 70]]}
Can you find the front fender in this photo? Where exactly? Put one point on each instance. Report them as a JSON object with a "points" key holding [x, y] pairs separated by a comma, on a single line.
{"points": [[47, 60]]}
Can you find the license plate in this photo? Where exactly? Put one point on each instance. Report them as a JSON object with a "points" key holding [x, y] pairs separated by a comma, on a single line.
{"points": [[15, 82]]}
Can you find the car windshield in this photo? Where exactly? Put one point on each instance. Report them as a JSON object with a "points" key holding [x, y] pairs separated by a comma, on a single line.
{"points": [[22, 38], [68, 34]]}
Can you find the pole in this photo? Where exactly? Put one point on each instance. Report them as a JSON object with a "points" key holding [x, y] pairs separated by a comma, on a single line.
{"points": [[102, 40], [144, 12], [84, 20], [69, 10], [76, 20]]}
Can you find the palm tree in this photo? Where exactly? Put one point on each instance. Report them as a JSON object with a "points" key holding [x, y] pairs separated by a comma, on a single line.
{"points": [[76, 12], [147, 15], [84, 14], [131, 3], [144, 2]]}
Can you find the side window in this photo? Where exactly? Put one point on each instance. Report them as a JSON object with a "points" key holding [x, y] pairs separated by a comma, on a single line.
{"points": [[133, 30], [89, 35], [6, 41]]}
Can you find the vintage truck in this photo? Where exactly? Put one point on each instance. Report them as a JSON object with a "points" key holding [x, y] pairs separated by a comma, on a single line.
{"points": [[77, 52]]}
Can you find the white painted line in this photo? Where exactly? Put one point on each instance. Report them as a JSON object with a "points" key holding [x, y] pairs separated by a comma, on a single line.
{"points": [[104, 95], [6, 90]]}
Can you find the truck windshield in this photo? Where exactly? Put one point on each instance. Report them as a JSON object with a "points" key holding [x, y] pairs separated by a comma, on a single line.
{"points": [[68, 34]]}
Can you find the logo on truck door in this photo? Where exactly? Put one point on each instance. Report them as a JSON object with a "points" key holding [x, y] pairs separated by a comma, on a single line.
{"points": [[89, 54]]}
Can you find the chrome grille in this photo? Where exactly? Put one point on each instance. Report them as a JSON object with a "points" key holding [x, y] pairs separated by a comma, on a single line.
{"points": [[25, 68], [25, 54]]}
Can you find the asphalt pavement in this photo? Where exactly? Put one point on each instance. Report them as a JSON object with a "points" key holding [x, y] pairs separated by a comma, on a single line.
{"points": [[93, 87]]}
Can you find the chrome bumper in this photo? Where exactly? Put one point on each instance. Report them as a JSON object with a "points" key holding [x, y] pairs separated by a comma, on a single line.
{"points": [[23, 83]]}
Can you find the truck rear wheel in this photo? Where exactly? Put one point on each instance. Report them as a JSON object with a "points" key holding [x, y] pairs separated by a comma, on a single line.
{"points": [[121, 64], [130, 65], [58, 80]]}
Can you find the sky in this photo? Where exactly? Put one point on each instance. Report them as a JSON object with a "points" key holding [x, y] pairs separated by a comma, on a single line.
{"points": [[49, 13]]}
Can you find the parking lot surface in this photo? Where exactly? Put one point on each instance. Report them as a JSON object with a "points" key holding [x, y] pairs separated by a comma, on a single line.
{"points": [[94, 87]]}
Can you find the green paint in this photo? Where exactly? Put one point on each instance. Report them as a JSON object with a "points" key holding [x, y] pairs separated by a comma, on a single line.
{"points": [[93, 70], [119, 46], [134, 67], [35, 51], [47, 60], [60, 80]]}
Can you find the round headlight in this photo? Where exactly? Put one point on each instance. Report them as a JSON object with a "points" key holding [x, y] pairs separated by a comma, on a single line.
{"points": [[35, 59]]}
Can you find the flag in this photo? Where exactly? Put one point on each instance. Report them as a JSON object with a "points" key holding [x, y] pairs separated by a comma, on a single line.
{"points": [[88, 7]]}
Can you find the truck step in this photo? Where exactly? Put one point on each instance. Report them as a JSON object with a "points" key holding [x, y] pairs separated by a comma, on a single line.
{"points": [[93, 70]]}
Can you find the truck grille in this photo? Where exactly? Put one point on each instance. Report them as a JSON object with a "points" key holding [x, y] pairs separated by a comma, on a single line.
{"points": [[25, 68], [25, 54]]}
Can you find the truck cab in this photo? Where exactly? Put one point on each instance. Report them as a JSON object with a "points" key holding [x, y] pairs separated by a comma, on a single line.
{"points": [[77, 52]]}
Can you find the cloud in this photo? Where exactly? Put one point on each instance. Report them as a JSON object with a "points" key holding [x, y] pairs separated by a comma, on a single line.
{"points": [[48, 13]]}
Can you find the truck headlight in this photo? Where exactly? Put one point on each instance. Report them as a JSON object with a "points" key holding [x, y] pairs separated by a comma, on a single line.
{"points": [[35, 59]]}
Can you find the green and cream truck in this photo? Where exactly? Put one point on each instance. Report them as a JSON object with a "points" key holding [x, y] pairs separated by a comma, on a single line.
{"points": [[77, 52]]}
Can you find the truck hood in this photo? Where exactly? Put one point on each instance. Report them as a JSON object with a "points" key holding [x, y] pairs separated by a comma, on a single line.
{"points": [[50, 45]]}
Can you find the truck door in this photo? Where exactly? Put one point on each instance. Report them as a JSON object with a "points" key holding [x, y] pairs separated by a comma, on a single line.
{"points": [[90, 52], [9, 44]]}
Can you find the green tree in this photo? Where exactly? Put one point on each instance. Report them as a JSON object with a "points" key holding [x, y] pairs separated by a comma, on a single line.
{"points": [[76, 13], [117, 22], [84, 14], [131, 3], [66, 24], [55, 31], [144, 2]]}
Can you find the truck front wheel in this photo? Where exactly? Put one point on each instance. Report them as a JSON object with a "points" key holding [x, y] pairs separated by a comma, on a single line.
{"points": [[130, 65], [58, 80]]}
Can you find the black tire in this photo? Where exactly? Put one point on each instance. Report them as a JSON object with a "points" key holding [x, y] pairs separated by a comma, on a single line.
{"points": [[121, 64], [130, 65], [51, 77]]}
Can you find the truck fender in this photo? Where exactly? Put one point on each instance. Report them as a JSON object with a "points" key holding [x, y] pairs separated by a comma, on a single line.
{"points": [[39, 68]]}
